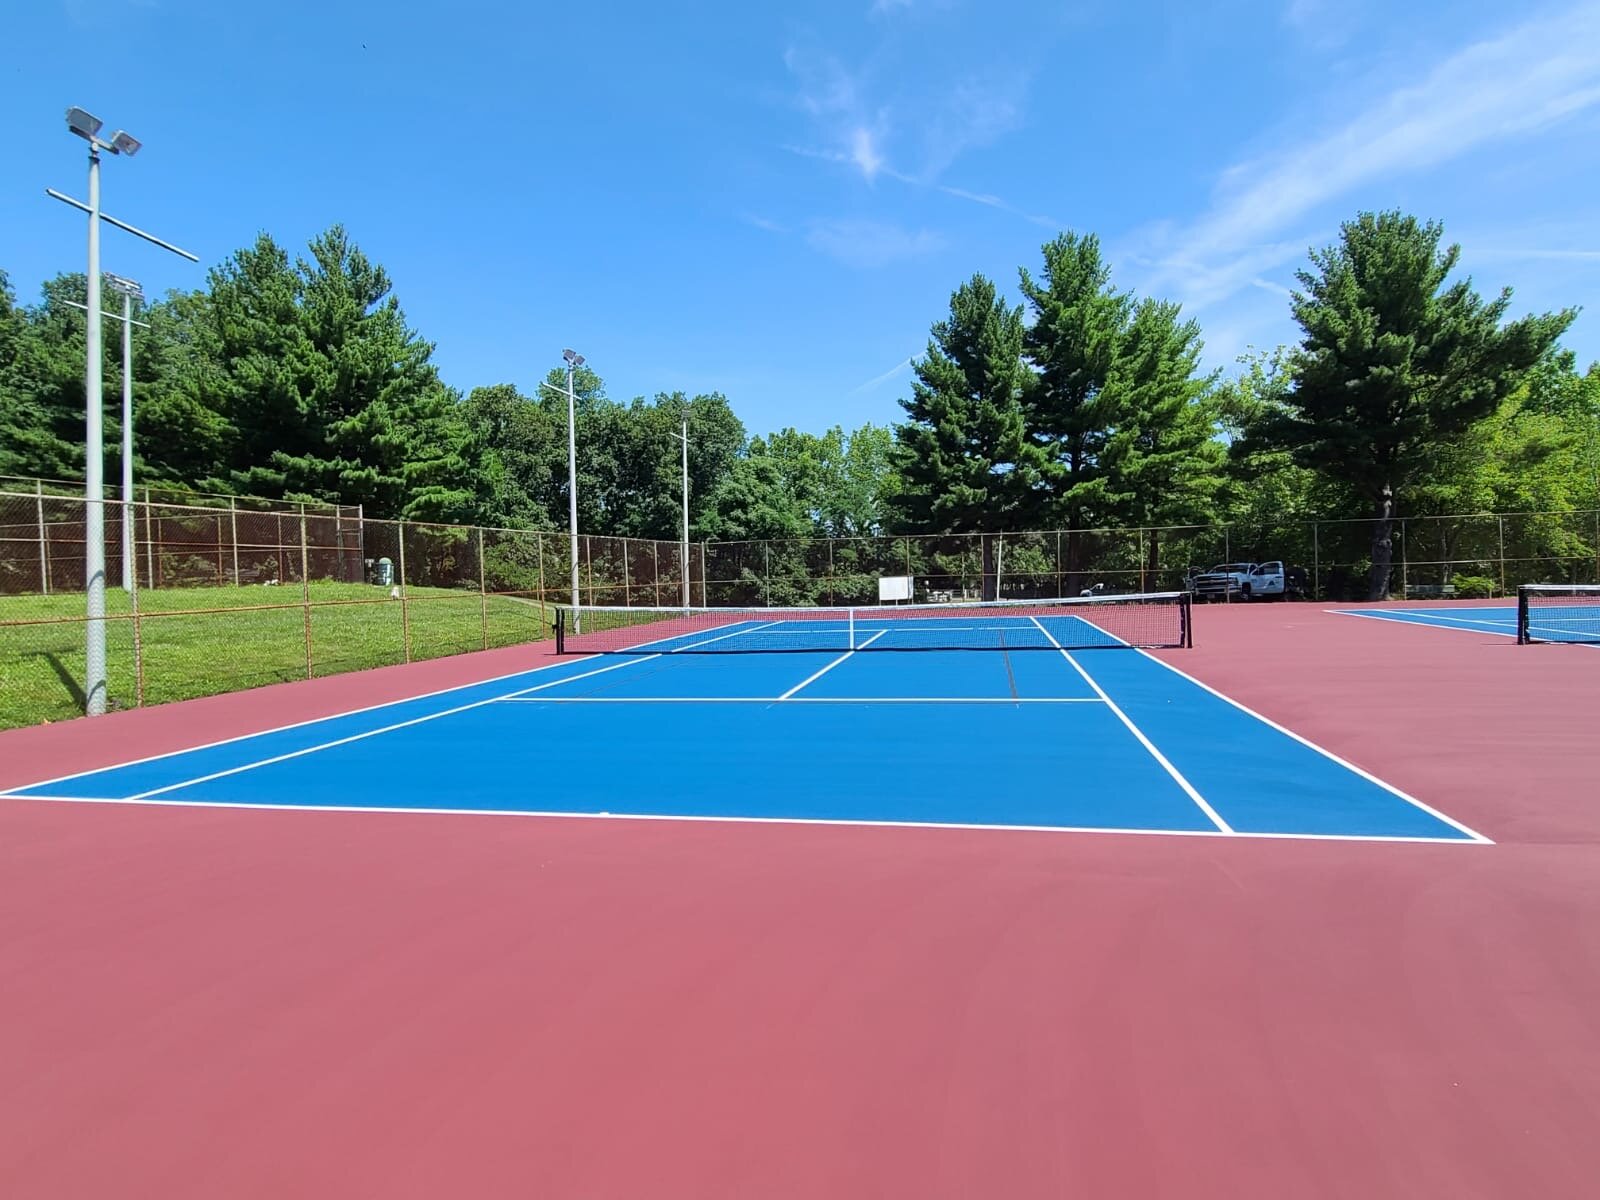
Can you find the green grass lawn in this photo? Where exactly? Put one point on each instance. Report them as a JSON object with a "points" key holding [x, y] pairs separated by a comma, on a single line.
{"points": [[198, 642]]}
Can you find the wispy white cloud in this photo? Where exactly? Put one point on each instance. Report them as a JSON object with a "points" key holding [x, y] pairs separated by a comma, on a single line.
{"points": [[1266, 285], [882, 7], [877, 381], [864, 153], [1511, 86], [854, 126], [996, 202], [860, 243], [764, 223]]}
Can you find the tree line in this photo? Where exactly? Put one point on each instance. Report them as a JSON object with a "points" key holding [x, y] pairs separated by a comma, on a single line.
{"points": [[1082, 407]]}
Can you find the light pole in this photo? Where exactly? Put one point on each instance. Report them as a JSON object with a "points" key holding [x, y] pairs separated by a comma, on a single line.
{"points": [[88, 127], [130, 291], [684, 438], [574, 361]]}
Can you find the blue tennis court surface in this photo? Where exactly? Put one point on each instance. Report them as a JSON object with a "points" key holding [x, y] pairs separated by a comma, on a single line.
{"points": [[1097, 740], [1552, 624]]}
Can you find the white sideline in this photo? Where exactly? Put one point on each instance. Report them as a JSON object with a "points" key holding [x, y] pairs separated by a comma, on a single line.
{"points": [[1326, 753], [1166, 764]]}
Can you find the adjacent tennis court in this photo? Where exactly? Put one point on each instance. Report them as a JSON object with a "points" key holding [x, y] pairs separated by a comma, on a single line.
{"points": [[1005, 716], [1566, 613]]}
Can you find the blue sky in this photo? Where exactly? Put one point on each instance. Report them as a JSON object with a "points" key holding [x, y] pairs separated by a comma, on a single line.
{"points": [[776, 201]]}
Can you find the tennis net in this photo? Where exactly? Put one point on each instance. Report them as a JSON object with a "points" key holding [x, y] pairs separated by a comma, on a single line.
{"points": [[1149, 620], [1558, 612]]}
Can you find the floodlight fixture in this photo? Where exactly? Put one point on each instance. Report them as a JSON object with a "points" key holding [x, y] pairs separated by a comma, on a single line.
{"points": [[84, 124], [574, 359], [123, 287], [123, 142]]}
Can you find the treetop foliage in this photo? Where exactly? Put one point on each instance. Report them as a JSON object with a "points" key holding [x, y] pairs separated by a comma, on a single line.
{"points": [[1080, 406]]}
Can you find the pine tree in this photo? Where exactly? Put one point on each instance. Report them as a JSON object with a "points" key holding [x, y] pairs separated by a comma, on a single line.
{"points": [[962, 456]]}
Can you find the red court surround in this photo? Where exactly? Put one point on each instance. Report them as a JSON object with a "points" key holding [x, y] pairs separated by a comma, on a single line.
{"points": [[213, 1003]]}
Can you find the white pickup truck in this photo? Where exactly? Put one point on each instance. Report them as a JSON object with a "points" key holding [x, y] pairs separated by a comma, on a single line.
{"points": [[1247, 581]]}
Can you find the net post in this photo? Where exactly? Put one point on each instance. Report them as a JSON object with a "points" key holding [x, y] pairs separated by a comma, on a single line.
{"points": [[1523, 636], [561, 631], [1186, 620], [851, 645]]}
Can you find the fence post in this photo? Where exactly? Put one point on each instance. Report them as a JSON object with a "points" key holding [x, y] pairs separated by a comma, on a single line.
{"points": [[44, 548], [1501, 522], [405, 611], [149, 544], [766, 573], [1227, 557], [1142, 586], [1405, 579], [233, 532], [483, 594], [1316, 562], [305, 590], [626, 600], [138, 639], [221, 570], [538, 549]]}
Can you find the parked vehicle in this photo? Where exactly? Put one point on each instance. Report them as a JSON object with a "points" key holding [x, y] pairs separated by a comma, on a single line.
{"points": [[1249, 581], [1221, 582]]}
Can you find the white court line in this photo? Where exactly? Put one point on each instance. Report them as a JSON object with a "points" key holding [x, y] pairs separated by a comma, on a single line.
{"points": [[816, 675], [798, 700], [730, 820], [460, 708], [356, 737], [1326, 753], [338, 716], [1399, 620], [1166, 765], [1394, 620]]}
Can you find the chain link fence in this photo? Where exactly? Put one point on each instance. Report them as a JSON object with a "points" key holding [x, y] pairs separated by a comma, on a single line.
{"points": [[221, 593]]}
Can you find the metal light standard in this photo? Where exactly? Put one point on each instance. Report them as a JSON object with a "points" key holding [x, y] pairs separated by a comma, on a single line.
{"points": [[88, 127], [130, 291], [574, 361], [684, 438]]}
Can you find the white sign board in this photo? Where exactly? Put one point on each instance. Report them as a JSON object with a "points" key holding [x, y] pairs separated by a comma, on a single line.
{"points": [[894, 587]]}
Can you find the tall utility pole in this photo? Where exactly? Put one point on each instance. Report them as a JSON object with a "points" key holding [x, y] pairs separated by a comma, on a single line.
{"points": [[87, 126], [94, 517], [574, 361], [130, 292], [684, 438]]}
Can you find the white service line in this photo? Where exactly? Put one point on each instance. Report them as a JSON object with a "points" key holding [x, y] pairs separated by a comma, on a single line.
{"points": [[812, 678], [1166, 764]]}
